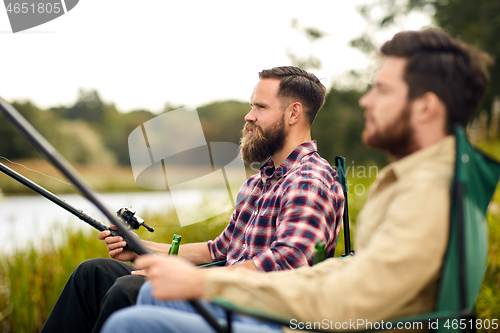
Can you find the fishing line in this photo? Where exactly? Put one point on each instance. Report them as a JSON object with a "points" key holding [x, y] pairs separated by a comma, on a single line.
{"points": [[59, 180]]}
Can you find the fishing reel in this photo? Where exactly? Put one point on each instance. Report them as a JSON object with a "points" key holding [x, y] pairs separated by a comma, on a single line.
{"points": [[134, 222]]}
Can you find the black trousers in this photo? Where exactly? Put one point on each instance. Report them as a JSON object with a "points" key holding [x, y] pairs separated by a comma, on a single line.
{"points": [[96, 289]]}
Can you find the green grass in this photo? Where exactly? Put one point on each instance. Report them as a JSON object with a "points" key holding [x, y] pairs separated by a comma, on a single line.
{"points": [[488, 303], [34, 278]]}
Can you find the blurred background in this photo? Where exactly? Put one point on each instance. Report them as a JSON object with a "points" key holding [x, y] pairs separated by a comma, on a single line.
{"points": [[88, 78]]}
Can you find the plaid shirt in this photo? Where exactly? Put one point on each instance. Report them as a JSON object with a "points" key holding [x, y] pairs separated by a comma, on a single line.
{"points": [[283, 212]]}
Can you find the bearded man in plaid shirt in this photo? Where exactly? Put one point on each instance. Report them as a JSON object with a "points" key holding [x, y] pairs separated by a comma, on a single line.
{"points": [[294, 202]]}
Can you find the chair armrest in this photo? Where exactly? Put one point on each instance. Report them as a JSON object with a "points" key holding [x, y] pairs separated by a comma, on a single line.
{"points": [[228, 306], [217, 263]]}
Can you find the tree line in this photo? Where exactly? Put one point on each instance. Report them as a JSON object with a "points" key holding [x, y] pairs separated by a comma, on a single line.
{"points": [[94, 132]]}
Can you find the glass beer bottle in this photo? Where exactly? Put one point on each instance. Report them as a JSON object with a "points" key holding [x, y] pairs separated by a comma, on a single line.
{"points": [[174, 246], [319, 253]]}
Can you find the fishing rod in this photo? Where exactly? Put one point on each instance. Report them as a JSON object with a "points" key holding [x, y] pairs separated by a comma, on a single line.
{"points": [[126, 214], [40, 143]]}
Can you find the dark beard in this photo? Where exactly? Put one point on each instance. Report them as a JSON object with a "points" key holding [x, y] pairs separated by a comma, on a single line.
{"points": [[396, 138], [261, 145]]}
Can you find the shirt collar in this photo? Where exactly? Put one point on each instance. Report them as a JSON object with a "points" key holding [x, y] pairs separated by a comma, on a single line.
{"points": [[268, 169], [442, 149]]}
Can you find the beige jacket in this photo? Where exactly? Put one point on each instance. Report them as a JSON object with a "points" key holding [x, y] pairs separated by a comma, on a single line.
{"points": [[401, 239]]}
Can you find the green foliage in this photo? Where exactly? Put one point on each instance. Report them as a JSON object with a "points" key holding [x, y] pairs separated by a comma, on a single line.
{"points": [[223, 121], [488, 302], [309, 62], [88, 107], [34, 279], [111, 128], [77, 140], [357, 194], [475, 22], [116, 130], [337, 129], [12, 143], [312, 34], [82, 144]]}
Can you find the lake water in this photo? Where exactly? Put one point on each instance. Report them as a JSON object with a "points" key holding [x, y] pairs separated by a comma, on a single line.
{"points": [[28, 219]]}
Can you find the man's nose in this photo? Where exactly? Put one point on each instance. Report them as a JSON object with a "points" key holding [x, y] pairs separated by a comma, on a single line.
{"points": [[364, 101], [250, 117]]}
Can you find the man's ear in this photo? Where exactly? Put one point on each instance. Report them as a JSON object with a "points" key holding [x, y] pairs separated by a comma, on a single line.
{"points": [[428, 107], [296, 111]]}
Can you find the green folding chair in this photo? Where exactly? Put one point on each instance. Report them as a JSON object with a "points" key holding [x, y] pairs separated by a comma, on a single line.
{"points": [[475, 180], [214, 264], [341, 171]]}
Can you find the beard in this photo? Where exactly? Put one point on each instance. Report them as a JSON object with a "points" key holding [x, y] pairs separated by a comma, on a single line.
{"points": [[261, 145], [396, 138]]}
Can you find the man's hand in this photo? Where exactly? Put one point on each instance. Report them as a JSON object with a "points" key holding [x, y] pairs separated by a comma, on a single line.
{"points": [[139, 272], [172, 278], [115, 246]]}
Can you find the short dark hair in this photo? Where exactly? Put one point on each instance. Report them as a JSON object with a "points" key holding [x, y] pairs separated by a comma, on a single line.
{"points": [[298, 84], [438, 63]]}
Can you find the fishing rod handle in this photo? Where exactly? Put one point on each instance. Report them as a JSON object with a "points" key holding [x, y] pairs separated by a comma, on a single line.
{"points": [[102, 227], [116, 233]]}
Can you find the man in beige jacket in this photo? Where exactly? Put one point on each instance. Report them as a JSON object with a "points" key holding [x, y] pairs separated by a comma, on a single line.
{"points": [[426, 83]]}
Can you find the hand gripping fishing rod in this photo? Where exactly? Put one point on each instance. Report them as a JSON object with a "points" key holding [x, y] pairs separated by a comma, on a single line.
{"points": [[40, 143]]}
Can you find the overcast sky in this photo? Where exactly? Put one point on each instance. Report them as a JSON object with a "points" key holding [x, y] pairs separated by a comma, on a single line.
{"points": [[142, 54]]}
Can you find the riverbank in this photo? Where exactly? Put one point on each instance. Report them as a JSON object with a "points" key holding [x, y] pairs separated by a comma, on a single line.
{"points": [[102, 178], [28, 219]]}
